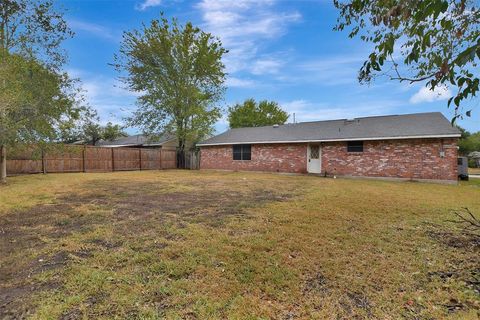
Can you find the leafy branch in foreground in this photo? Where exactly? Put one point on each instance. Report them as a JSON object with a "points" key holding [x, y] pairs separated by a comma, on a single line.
{"points": [[436, 42]]}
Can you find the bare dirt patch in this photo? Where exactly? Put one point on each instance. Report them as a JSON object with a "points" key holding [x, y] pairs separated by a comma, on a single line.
{"points": [[27, 236], [24, 253], [466, 270], [318, 283]]}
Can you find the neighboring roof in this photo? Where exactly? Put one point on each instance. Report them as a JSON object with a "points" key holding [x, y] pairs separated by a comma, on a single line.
{"points": [[474, 155], [137, 140], [79, 142], [419, 125]]}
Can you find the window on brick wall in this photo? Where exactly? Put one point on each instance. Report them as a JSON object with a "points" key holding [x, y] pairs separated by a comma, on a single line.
{"points": [[242, 152], [355, 146]]}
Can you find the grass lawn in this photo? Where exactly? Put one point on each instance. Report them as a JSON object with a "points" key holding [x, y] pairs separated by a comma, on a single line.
{"points": [[215, 245]]}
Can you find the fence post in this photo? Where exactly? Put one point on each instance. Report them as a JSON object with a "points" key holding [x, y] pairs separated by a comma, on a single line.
{"points": [[113, 160], [161, 155], [3, 164], [44, 167], [84, 156], [199, 159], [140, 157]]}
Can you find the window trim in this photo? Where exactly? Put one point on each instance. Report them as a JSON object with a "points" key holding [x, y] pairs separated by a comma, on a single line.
{"points": [[244, 155], [356, 146]]}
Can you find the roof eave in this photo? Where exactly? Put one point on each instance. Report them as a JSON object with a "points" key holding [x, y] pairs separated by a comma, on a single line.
{"points": [[119, 145], [135, 144], [333, 140]]}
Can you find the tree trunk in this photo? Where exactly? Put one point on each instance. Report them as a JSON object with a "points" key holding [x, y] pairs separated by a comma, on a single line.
{"points": [[3, 164], [181, 154]]}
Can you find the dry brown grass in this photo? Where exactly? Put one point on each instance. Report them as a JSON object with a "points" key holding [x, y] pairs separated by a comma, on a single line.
{"points": [[211, 245], [474, 170]]}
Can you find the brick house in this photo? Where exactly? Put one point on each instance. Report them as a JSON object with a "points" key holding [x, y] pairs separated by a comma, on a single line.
{"points": [[419, 146]]}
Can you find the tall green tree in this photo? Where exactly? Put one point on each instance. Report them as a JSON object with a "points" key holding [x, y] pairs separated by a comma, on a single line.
{"points": [[87, 128], [35, 96], [112, 131], [179, 74], [434, 42], [469, 144], [253, 114]]}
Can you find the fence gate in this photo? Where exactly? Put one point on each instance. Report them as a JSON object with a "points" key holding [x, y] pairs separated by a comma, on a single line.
{"points": [[188, 160], [194, 160]]}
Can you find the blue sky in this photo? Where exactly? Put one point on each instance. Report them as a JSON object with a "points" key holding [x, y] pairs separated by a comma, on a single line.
{"points": [[282, 50]]}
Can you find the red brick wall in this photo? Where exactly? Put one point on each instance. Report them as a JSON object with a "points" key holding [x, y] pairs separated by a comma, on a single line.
{"points": [[265, 157], [409, 158]]}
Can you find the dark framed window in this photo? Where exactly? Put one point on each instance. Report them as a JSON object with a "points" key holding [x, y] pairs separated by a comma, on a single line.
{"points": [[355, 146], [242, 152]]}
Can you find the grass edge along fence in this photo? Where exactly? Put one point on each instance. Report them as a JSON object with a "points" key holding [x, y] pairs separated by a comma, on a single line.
{"points": [[89, 159]]}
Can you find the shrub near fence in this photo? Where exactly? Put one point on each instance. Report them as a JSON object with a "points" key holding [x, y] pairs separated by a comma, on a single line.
{"points": [[89, 159]]}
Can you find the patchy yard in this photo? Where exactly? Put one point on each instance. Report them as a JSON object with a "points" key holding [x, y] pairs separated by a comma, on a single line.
{"points": [[200, 245]]}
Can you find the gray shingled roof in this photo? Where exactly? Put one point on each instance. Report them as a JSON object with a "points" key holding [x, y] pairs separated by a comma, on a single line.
{"points": [[474, 155], [137, 140], [432, 124]]}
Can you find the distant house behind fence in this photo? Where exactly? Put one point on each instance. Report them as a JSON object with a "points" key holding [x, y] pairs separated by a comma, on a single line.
{"points": [[165, 141]]}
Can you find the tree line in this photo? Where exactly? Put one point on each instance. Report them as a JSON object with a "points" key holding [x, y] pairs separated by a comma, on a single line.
{"points": [[469, 142]]}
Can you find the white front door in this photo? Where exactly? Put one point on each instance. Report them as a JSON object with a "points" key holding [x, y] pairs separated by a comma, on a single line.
{"points": [[314, 157]]}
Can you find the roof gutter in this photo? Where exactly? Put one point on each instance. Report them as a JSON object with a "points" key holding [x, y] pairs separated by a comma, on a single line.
{"points": [[128, 145], [456, 135]]}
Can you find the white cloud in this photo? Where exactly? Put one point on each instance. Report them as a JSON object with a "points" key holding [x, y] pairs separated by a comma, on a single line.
{"points": [[100, 86], [147, 4], [267, 66], [427, 95], [330, 70], [220, 5], [240, 83], [94, 29], [244, 26], [106, 95]]}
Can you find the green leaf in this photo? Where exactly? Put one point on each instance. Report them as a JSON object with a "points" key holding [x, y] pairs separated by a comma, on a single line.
{"points": [[428, 36], [426, 40], [450, 101], [457, 100]]}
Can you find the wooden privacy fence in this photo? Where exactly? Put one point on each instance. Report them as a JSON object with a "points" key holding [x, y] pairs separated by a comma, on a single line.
{"points": [[90, 159], [193, 160], [188, 160]]}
